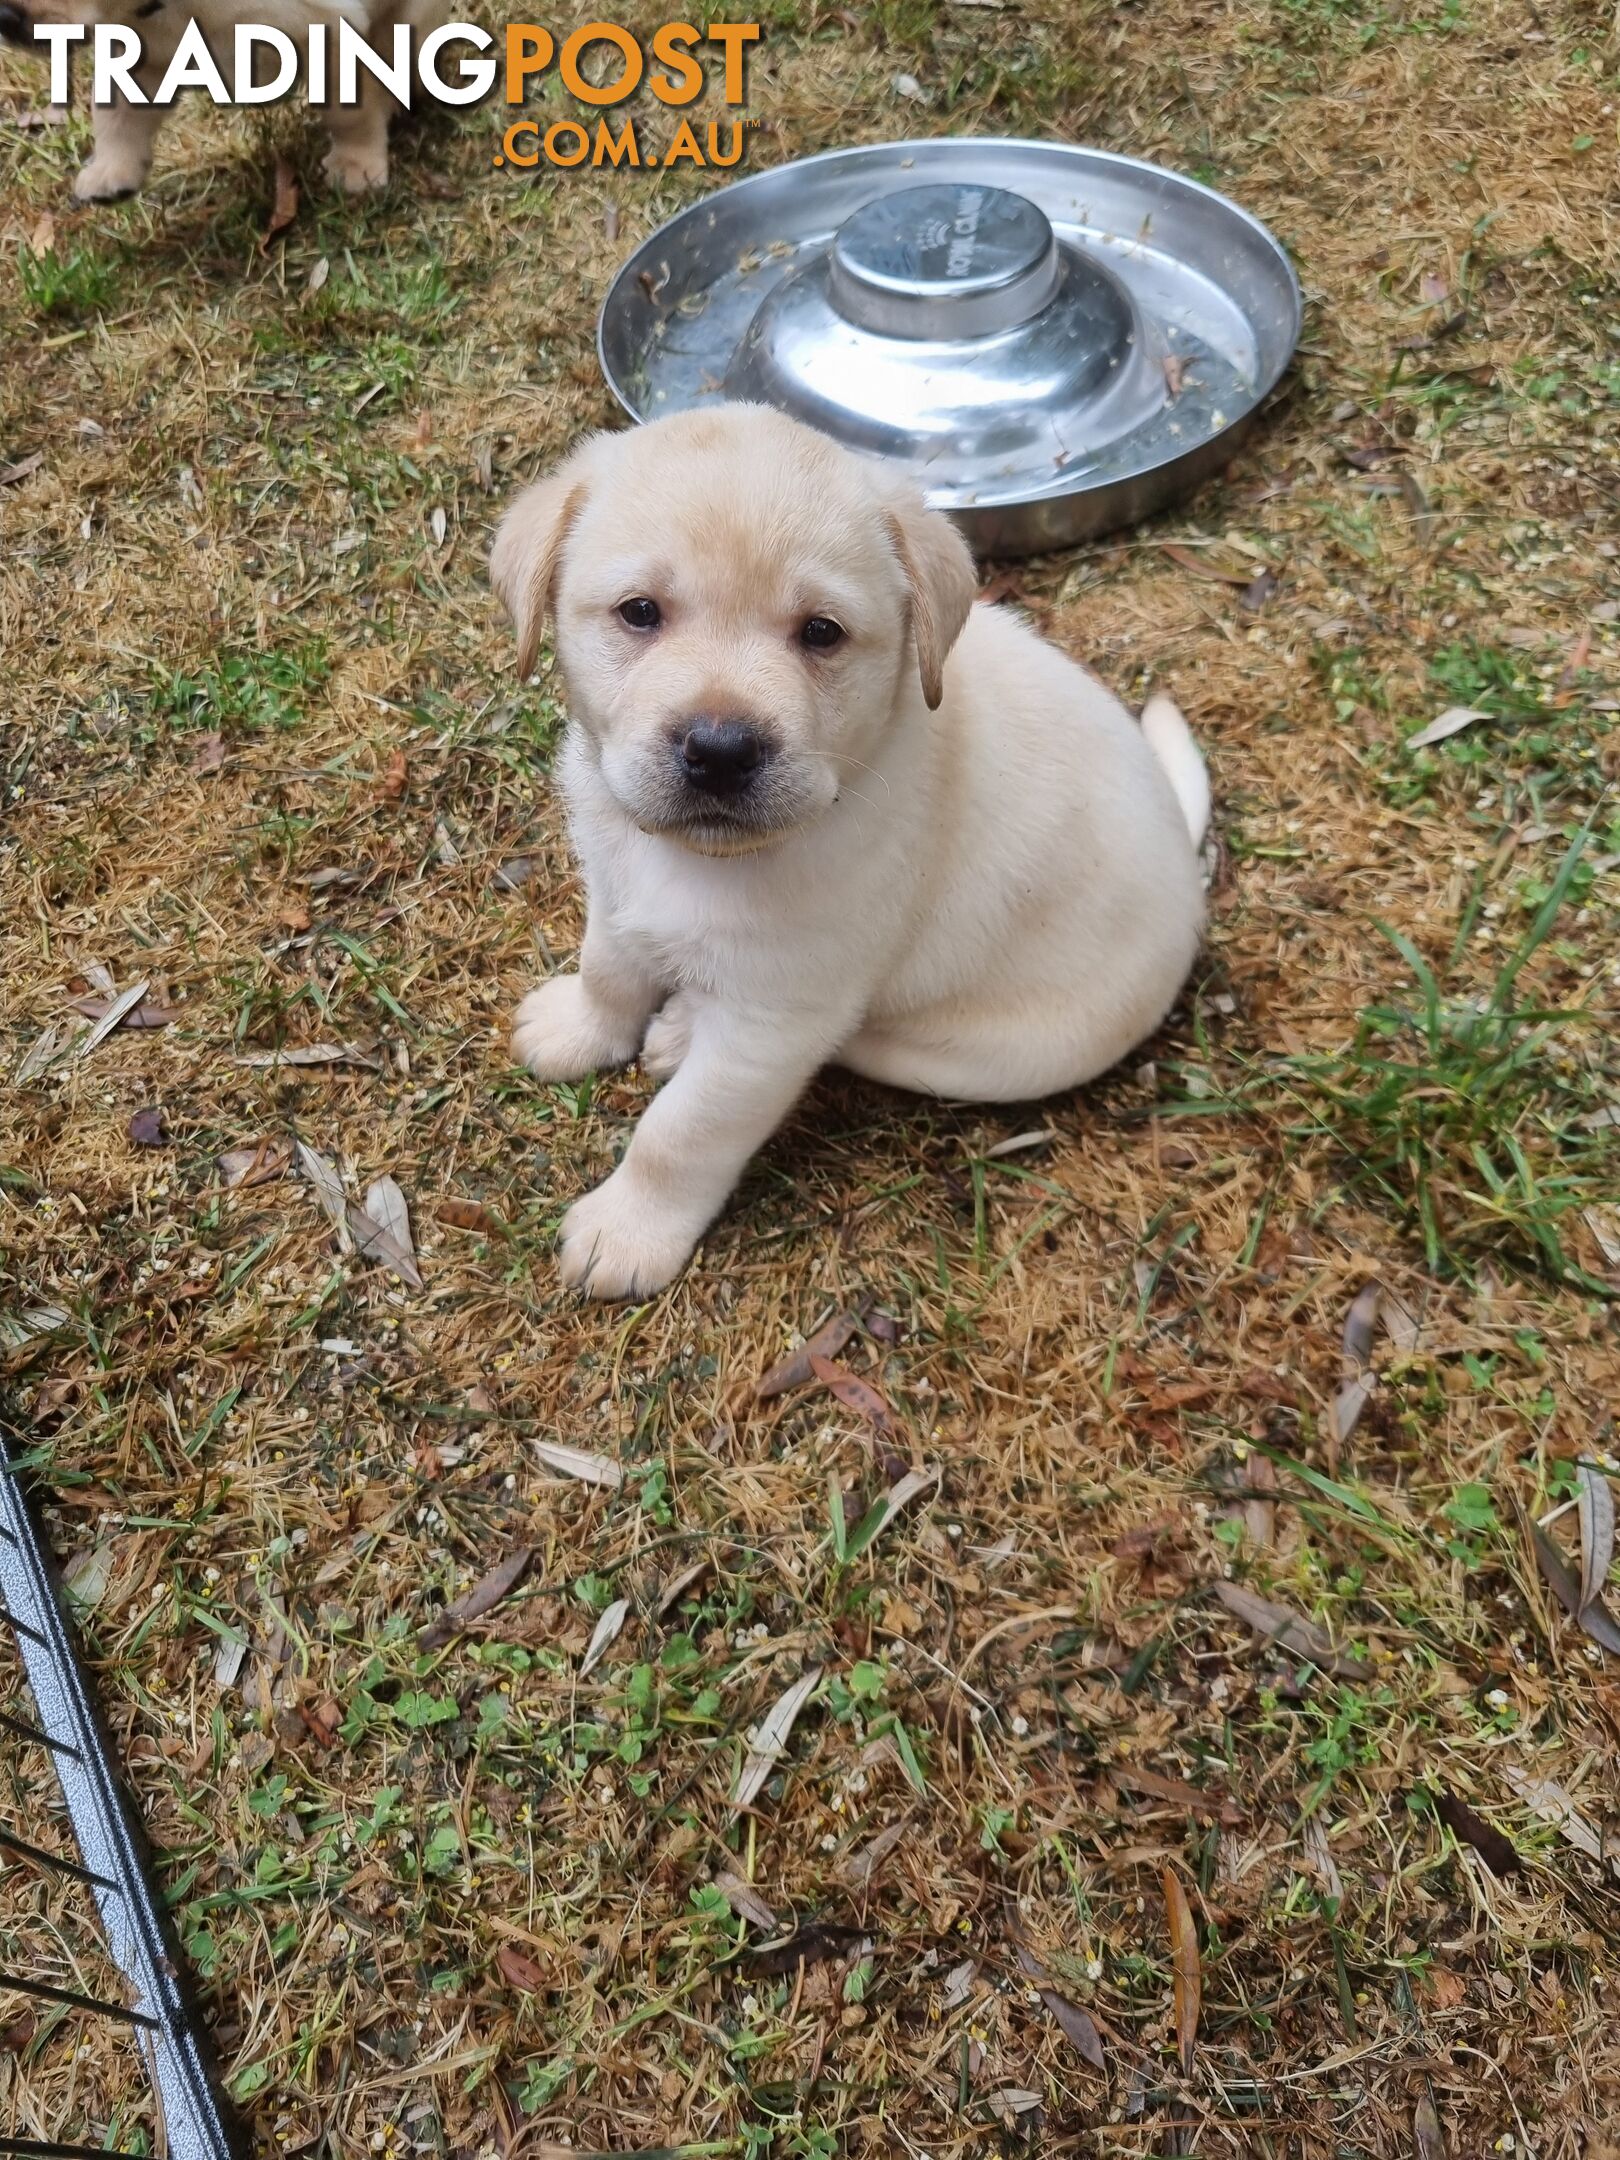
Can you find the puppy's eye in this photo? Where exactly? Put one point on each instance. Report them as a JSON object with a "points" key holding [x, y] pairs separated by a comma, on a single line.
{"points": [[821, 633], [640, 614]]}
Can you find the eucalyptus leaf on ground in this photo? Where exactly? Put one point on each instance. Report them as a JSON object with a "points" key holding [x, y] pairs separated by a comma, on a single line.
{"points": [[604, 1635], [797, 1368], [581, 1463], [1596, 1514], [1292, 1630], [1595, 1615], [769, 1740], [1451, 722], [1187, 1967]]}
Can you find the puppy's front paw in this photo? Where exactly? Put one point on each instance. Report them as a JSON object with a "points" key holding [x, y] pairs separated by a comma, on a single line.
{"points": [[110, 175], [560, 1033], [613, 1245], [356, 168], [668, 1038]]}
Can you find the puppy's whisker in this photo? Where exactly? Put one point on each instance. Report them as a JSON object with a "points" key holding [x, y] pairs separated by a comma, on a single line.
{"points": [[857, 796], [842, 757]]}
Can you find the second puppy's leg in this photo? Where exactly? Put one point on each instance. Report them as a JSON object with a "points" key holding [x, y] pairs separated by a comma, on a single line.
{"points": [[738, 1080], [358, 158], [125, 133]]}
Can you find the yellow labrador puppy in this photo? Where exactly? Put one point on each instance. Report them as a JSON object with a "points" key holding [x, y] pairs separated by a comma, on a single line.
{"points": [[826, 809], [126, 133]]}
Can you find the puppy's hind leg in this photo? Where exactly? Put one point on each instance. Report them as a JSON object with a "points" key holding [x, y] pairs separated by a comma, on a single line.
{"points": [[1001, 1057]]}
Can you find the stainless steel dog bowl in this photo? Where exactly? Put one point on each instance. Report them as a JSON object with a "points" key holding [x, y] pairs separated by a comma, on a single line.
{"points": [[1058, 340]]}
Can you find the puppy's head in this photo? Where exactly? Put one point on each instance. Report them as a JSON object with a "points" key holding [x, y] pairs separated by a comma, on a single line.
{"points": [[740, 608]]}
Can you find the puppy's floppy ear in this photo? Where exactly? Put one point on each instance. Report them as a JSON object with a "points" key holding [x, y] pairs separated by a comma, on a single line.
{"points": [[528, 549], [939, 570]]}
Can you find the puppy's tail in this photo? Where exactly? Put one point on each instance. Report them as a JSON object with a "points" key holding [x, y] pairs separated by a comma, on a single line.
{"points": [[1171, 741]]}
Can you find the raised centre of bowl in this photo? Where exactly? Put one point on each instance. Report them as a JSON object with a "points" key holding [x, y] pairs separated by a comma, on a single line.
{"points": [[949, 260]]}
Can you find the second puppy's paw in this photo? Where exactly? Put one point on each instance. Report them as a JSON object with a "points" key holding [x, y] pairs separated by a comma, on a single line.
{"points": [[110, 176], [560, 1032], [613, 1245], [356, 168], [668, 1038]]}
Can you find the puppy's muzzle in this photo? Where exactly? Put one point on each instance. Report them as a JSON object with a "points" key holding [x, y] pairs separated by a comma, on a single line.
{"points": [[721, 758], [15, 28]]}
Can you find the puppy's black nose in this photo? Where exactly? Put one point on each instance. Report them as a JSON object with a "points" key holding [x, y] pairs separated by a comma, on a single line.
{"points": [[15, 28], [720, 757]]}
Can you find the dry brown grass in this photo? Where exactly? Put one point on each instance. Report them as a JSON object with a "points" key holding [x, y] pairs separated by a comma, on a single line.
{"points": [[462, 1899]]}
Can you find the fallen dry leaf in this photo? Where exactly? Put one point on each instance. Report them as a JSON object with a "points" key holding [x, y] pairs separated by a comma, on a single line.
{"points": [[1213, 1807], [1427, 2135], [1548, 1799], [395, 773], [322, 1720], [1594, 1616], [604, 1635], [208, 754], [1189, 1976], [146, 1128], [771, 1736], [861, 1866], [579, 1463], [11, 474], [483, 1597], [1200, 566], [519, 1970], [1181, 1395], [1595, 1502], [380, 1230], [256, 1164], [1319, 1857], [87, 1575], [309, 1054], [1292, 1630], [1356, 1349], [18, 2034], [1076, 2025], [1451, 722], [1019, 1143], [745, 1900], [283, 205], [795, 1370], [678, 1585], [1424, 520], [458, 1214], [1260, 1512], [328, 1190], [855, 1394], [129, 1008]]}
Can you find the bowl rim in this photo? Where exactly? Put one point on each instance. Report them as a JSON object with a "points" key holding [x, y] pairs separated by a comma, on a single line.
{"points": [[853, 153]]}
